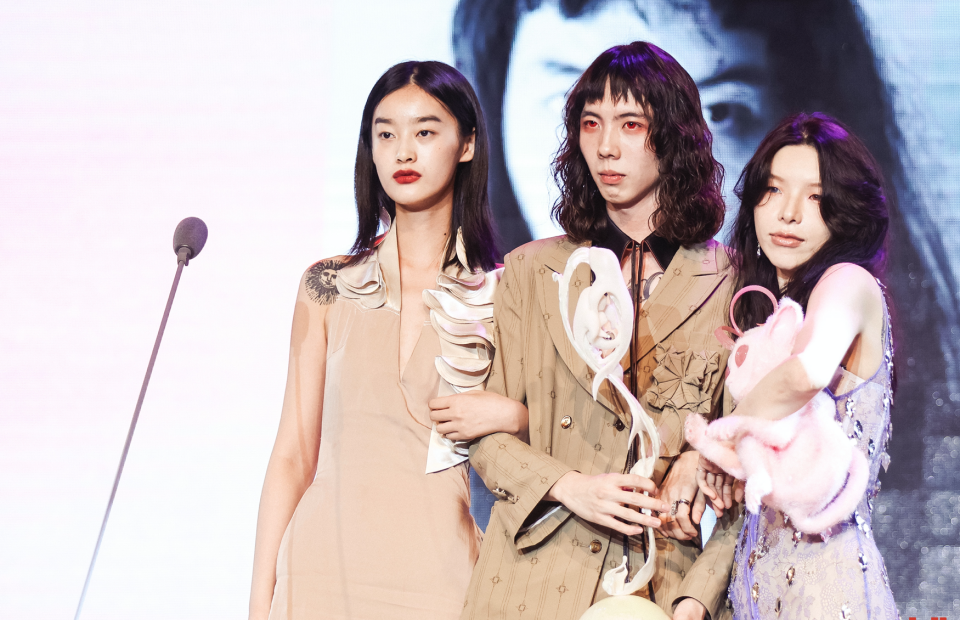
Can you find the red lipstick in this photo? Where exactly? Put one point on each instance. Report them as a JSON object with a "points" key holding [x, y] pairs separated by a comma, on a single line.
{"points": [[406, 176]]}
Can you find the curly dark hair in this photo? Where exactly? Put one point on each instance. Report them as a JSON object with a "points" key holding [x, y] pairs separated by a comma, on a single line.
{"points": [[853, 205], [689, 197]]}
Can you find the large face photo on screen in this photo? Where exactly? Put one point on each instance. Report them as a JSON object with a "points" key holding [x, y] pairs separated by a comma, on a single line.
{"points": [[754, 61]]}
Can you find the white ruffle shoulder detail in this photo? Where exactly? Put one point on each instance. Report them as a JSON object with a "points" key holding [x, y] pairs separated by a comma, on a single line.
{"points": [[461, 311]]}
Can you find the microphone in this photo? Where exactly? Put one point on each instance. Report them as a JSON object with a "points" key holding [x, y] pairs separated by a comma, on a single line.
{"points": [[188, 240]]}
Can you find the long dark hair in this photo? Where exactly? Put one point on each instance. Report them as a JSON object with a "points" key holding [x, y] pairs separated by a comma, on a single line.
{"points": [[471, 207], [689, 197], [853, 205]]}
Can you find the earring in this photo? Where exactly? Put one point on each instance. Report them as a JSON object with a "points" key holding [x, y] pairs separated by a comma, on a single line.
{"points": [[758, 248]]}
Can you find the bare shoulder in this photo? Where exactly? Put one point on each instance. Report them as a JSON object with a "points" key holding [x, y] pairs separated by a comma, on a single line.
{"points": [[319, 281], [850, 278], [852, 284]]}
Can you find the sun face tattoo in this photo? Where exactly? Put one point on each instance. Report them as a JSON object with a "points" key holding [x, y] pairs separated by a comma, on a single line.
{"points": [[322, 281]]}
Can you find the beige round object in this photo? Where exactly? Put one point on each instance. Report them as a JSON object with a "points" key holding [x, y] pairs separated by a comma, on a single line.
{"points": [[624, 608]]}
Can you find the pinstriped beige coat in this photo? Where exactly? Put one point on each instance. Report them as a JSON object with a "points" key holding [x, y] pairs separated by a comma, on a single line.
{"points": [[541, 564]]}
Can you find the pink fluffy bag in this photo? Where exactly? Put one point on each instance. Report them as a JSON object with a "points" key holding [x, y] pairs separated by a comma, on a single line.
{"points": [[803, 465]]}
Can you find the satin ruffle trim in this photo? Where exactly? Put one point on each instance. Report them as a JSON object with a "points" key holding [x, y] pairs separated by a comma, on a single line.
{"points": [[461, 312]]}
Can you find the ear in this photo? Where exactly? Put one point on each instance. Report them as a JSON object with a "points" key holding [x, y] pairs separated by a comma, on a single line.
{"points": [[468, 147], [785, 322]]}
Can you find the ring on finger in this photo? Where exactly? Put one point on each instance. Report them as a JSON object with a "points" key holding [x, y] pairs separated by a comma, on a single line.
{"points": [[676, 506]]}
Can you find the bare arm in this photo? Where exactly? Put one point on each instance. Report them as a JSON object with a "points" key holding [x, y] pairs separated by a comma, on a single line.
{"points": [[467, 416], [845, 304], [293, 462]]}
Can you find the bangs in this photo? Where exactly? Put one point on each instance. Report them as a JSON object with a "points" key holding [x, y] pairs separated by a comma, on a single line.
{"points": [[622, 88], [628, 74]]}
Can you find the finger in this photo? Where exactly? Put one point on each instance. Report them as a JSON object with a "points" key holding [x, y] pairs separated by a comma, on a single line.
{"points": [[619, 526], [440, 402], [440, 415], [632, 516], [447, 429], [684, 524], [738, 491], [674, 531], [709, 466], [639, 500], [668, 522], [718, 487], [699, 507], [717, 508], [711, 479], [705, 488], [635, 482], [702, 482], [728, 492]]}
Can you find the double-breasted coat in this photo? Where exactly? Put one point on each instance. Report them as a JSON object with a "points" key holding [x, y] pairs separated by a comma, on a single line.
{"points": [[538, 559]]}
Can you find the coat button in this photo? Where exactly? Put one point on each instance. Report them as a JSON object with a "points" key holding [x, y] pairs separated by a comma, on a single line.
{"points": [[566, 422], [619, 425], [595, 546]]}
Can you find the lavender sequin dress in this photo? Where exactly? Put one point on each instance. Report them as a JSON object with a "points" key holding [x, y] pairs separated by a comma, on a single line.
{"points": [[839, 574]]}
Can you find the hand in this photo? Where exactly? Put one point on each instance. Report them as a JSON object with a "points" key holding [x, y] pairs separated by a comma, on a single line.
{"points": [[466, 416], [681, 483], [608, 500], [690, 609], [720, 488]]}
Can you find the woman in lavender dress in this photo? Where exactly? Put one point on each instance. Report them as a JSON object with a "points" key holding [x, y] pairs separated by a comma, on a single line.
{"points": [[813, 225]]}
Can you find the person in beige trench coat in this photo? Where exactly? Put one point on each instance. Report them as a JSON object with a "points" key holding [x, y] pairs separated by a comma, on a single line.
{"points": [[551, 536]]}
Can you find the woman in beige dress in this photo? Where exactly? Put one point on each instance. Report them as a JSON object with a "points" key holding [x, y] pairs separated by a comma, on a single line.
{"points": [[365, 507]]}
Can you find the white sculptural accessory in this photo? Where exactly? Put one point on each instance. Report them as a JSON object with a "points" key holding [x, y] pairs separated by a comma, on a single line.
{"points": [[602, 322]]}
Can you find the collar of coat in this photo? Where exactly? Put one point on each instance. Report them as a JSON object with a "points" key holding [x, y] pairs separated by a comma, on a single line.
{"points": [[689, 280]]}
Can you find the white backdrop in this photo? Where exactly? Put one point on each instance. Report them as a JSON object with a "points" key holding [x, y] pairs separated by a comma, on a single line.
{"points": [[118, 119]]}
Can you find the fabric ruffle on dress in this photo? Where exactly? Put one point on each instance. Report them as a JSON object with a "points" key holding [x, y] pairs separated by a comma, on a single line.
{"points": [[364, 284], [375, 281], [461, 312]]}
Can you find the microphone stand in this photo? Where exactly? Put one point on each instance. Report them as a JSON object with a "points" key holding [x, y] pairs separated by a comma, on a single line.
{"points": [[183, 258]]}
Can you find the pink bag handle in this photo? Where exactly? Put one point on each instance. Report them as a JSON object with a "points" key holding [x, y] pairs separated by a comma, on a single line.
{"points": [[748, 289]]}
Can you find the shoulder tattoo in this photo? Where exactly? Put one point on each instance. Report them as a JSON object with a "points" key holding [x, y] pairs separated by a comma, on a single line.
{"points": [[321, 281]]}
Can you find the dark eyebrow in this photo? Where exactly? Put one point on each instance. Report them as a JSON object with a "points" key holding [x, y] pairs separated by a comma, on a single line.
{"points": [[639, 115], [422, 119], [749, 74]]}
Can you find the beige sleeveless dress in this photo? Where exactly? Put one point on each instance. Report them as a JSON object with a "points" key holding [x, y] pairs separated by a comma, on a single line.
{"points": [[375, 537]]}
